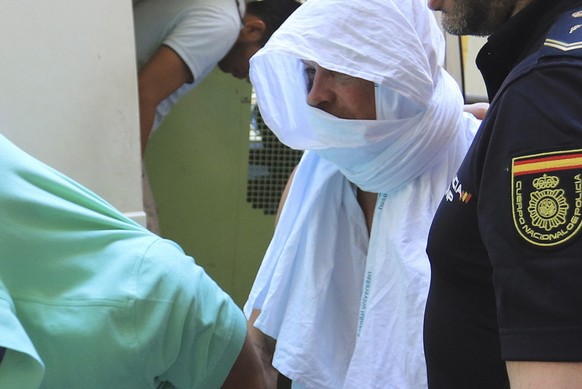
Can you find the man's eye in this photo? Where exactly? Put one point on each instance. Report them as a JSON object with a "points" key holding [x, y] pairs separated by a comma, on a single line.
{"points": [[341, 77], [310, 76]]}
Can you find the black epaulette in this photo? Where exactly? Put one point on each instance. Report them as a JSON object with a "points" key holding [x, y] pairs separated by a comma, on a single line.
{"points": [[565, 36]]}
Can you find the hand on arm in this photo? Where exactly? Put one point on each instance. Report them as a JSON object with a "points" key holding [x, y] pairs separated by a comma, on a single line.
{"points": [[159, 78], [542, 375], [477, 109]]}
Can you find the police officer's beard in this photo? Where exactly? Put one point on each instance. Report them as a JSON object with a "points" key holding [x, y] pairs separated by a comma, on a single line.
{"points": [[476, 17]]}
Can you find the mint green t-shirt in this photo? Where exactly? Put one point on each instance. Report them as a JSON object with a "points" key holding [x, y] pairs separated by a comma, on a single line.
{"points": [[90, 299]]}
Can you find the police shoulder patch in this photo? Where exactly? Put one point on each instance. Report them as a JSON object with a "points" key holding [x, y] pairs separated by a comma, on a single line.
{"points": [[547, 197], [565, 36]]}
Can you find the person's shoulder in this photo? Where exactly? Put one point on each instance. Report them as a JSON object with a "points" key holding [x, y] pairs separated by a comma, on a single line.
{"points": [[164, 260], [560, 50], [564, 38], [216, 7], [165, 251], [165, 269]]}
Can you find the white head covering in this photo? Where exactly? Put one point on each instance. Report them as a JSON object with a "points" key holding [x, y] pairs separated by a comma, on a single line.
{"points": [[347, 312], [395, 44]]}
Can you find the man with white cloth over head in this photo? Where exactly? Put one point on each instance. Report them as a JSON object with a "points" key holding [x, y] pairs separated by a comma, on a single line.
{"points": [[342, 287]]}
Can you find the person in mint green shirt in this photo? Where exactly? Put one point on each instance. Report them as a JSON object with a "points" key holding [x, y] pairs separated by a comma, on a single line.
{"points": [[90, 299]]}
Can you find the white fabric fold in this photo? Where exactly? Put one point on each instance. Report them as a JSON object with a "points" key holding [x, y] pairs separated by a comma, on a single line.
{"points": [[400, 149], [419, 104], [306, 286], [370, 335], [389, 351], [346, 310]]}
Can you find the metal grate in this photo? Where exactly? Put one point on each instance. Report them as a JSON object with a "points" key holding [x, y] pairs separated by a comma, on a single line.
{"points": [[270, 164]]}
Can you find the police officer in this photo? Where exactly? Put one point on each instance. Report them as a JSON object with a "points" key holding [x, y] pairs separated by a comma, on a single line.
{"points": [[505, 244]]}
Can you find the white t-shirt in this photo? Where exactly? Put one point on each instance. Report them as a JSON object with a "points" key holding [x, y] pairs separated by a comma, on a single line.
{"points": [[201, 32]]}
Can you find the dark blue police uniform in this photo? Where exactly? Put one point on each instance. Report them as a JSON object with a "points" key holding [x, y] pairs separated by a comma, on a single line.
{"points": [[505, 245]]}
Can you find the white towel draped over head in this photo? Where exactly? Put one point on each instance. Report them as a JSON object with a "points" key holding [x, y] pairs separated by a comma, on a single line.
{"points": [[348, 313], [395, 44]]}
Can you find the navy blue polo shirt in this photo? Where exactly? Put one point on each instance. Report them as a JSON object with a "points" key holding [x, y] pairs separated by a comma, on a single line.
{"points": [[505, 247]]}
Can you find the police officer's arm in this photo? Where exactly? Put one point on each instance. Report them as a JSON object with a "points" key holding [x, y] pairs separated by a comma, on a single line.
{"points": [[542, 375], [160, 77], [247, 371]]}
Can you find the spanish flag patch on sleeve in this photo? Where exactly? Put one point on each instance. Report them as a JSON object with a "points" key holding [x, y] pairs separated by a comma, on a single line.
{"points": [[547, 197]]}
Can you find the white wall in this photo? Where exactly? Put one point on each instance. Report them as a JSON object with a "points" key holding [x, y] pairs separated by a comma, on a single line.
{"points": [[68, 91]]}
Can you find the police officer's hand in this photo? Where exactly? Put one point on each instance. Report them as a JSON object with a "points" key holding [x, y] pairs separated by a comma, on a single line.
{"points": [[477, 109]]}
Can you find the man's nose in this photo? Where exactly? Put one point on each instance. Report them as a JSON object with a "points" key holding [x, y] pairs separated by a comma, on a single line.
{"points": [[321, 92]]}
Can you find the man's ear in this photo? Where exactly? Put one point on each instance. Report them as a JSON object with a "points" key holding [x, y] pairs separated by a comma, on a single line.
{"points": [[252, 30]]}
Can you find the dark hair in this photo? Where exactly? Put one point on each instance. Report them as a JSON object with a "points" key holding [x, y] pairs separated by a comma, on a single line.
{"points": [[272, 12]]}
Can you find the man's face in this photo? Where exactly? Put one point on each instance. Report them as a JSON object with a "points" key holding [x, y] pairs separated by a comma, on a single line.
{"points": [[340, 95], [475, 17], [236, 61], [249, 41]]}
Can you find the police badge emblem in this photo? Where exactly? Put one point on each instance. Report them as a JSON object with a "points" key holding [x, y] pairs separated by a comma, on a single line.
{"points": [[547, 197]]}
